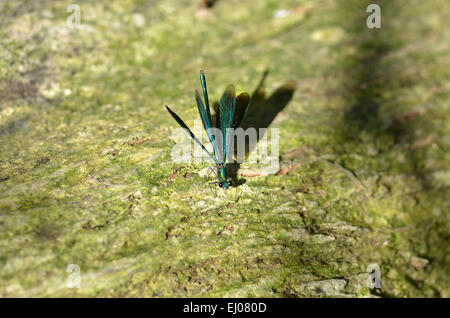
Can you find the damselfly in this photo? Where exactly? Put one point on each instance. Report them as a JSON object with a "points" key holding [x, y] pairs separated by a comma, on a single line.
{"points": [[231, 112]]}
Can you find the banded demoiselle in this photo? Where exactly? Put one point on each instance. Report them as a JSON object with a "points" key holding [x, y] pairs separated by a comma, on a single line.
{"points": [[231, 112]]}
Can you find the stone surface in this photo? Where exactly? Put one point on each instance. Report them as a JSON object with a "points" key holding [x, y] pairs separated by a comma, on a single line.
{"points": [[86, 175]]}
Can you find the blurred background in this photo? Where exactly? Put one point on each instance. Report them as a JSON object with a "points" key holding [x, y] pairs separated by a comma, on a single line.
{"points": [[86, 175]]}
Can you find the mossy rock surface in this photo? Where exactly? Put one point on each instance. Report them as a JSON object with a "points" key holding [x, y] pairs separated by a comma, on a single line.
{"points": [[86, 175]]}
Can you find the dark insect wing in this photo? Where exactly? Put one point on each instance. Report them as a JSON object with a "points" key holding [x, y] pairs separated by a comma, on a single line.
{"points": [[206, 120], [242, 104], [227, 106], [183, 125], [205, 94], [217, 115]]}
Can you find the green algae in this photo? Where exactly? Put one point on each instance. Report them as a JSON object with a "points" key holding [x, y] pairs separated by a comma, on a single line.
{"points": [[367, 118]]}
